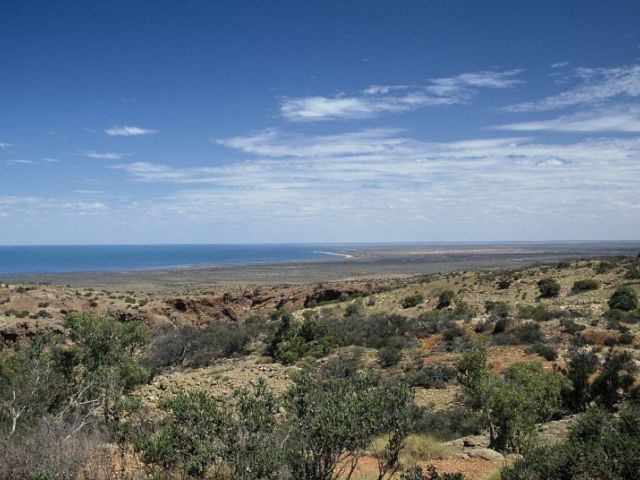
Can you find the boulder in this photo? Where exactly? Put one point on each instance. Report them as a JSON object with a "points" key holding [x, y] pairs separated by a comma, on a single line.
{"points": [[484, 453]]}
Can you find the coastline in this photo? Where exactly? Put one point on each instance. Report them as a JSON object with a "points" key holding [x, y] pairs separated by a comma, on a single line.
{"points": [[372, 262]]}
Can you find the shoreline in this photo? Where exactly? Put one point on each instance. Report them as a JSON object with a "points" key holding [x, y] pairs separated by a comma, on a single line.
{"points": [[364, 264]]}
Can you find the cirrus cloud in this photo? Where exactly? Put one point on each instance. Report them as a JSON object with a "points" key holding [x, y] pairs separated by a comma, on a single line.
{"points": [[128, 131]]}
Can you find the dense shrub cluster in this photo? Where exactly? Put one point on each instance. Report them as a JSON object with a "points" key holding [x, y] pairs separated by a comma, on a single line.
{"points": [[330, 418], [600, 446], [511, 404], [55, 390], [198, 346], [317, 336]]}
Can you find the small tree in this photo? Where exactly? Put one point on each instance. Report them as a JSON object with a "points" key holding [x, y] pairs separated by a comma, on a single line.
{"points": [[615, 379], [549, 288], [581, 365], [510, 404], [624, 298], [334, 419]]}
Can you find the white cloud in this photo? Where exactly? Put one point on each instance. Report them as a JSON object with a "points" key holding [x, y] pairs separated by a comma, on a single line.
{"points": [[610, 120], [559, 64], [33, 205], [103, 155], [128, 131], [595, 85], [20, 161], [379, 99], [5, 145], [384, 178]]}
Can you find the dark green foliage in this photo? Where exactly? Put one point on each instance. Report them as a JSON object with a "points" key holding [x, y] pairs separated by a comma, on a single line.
{"points": [[391, 354], [334, 420], [584, 285], [412, 300], [633, 271], [545, 351], [528, 332], [430, 375], [624, 298], [571, 327], [497, 309], [501, 325], [604, 267], [600, 446], [615, 379], [197, 346], [445, 298], [539, 312], [355, 308], [549, 288], [71, 380], [581, 365], [504, 284], [448, 424], [200, 435], [511, 404]]}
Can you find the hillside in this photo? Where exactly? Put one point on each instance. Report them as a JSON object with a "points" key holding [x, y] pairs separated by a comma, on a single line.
{"points": [[418, 330]]}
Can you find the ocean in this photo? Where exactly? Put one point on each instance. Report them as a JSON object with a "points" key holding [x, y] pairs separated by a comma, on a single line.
{"points": [[95, 258]]}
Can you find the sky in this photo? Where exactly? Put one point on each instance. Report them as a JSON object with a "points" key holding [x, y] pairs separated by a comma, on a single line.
{"points": [[318, 121]]}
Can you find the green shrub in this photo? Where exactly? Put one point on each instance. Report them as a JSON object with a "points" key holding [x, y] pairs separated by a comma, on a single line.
{"points": [[624, 298], [447, 424], [549, 288], [615, 379], [497, 309], [445, 298], [600, 446], [604, 267], [528, 332], [571, 327], [582, 363], [390, 355], [545, 351], [412, 300], [430, 375], [510, 404], [539, 312], [584, 285]]}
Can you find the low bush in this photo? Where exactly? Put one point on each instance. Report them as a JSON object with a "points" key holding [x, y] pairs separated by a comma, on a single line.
{"points": [[545, 351], [497, 309], [549, 288], [430, 375], [445, 298], [571, 327], [412, 301], [580, 286], [447, 424], [624, 298], [528, 332]]}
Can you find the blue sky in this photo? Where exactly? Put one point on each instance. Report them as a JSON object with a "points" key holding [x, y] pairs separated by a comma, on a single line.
{"points": [[302, 121]]}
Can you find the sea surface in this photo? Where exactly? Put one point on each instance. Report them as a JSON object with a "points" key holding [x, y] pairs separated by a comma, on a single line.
{"points": [[96, 258]]}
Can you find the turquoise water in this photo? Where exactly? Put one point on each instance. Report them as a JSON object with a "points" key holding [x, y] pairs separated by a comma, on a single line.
{"points": [[58, 259]]}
